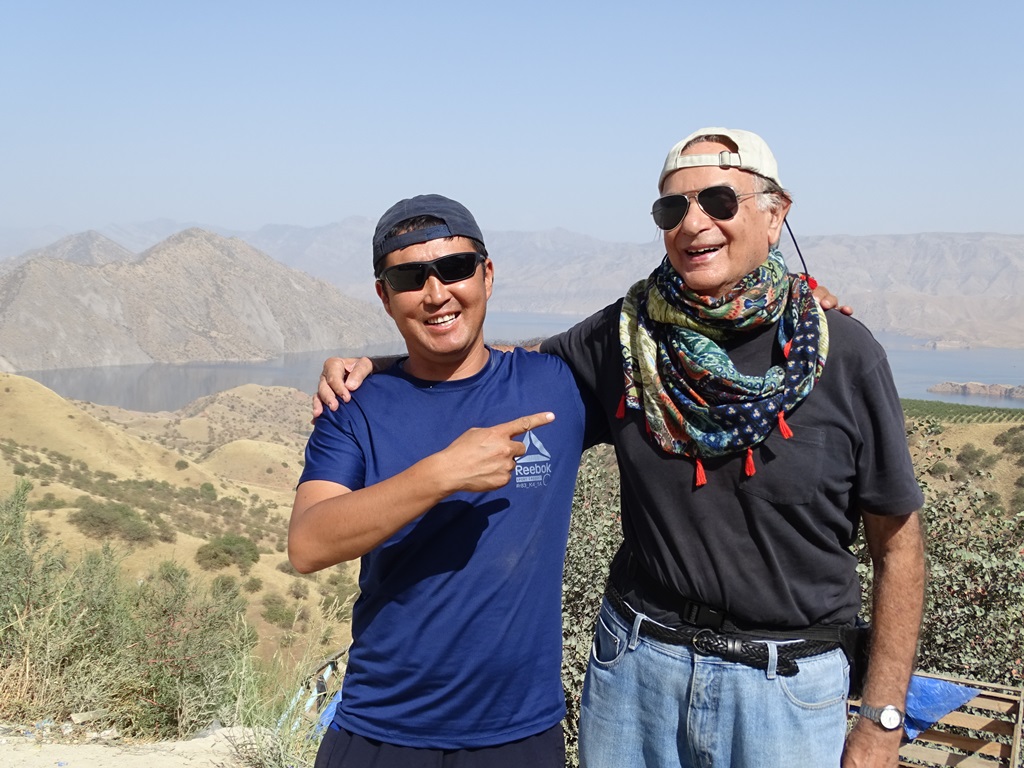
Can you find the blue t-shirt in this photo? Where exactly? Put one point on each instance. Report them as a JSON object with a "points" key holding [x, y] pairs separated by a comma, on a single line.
{"points": [[457, 630]]}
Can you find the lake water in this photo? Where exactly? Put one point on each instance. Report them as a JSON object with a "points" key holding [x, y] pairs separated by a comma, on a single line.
{"points": [[163, 387]]}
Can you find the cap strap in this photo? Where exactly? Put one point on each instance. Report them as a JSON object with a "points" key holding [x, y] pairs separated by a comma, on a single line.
{"points": [[412, 238], [723, 159]]}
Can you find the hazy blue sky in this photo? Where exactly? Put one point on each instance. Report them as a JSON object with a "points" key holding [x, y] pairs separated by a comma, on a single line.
{"points": [[886, 117]]}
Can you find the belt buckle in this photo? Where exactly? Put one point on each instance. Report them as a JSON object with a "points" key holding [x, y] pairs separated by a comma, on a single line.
{"points": [[702, 642]]}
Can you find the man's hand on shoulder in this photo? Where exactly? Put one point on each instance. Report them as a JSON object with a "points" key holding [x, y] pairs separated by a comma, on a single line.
{"points": [[340, 377], [827, 300]]}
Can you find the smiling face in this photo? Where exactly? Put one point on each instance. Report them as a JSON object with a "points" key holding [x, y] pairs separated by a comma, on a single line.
{"points": [[443, 325], [712, 255]]}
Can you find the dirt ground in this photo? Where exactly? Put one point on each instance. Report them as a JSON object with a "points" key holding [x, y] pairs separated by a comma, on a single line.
{"points": [[23, 749]]}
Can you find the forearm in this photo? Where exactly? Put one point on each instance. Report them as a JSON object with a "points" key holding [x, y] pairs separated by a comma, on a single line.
{"points": [[897, 553], [329, 529], [898, 602]]}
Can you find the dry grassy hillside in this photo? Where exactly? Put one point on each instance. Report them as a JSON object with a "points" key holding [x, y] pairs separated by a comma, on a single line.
{"points": [[225, 465]]}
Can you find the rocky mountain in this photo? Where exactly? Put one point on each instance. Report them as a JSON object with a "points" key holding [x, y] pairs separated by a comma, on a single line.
{"points": [[949, 289], [83, 248], [194, 296], [960, 290], [945, 288], [338, 253], [14, 241], [977, 388]]}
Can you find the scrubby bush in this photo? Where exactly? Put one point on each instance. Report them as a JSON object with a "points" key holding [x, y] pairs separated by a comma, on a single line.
{"points": [[229, 549], [974, 459], [49, 501], [594, 536], [110, 519], [277, 611], [163, 657]]}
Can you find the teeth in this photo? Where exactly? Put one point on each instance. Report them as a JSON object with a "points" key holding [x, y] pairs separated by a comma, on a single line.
{"points": [[700, 251], [441, 320]]}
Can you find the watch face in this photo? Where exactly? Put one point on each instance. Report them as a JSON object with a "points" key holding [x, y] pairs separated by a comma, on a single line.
{"points": [[889, 719]]}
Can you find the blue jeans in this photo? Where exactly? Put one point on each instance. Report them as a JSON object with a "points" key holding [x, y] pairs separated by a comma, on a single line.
{"points": [[650, 704]]}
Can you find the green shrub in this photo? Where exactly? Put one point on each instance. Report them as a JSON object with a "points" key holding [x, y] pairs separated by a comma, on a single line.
{"points": [[229, 549], [975, 459], [277, 611], [180, 464], [253, 584], [110, 519], [49, 501], [163, 657], [594, 536]]}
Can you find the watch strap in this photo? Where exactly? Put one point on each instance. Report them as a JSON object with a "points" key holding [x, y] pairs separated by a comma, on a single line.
{"points": [[877, 714]]}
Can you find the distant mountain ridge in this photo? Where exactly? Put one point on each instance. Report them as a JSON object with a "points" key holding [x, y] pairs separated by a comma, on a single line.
{"points": [[953, 289], [194, 296], [90, 248]]}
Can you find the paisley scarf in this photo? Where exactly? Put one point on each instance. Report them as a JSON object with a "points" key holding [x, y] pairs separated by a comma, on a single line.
{"points": [[695, 401]]}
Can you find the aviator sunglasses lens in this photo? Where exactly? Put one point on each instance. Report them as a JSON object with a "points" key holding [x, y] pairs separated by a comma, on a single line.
{"points": [[717, 202], [449, 269]]}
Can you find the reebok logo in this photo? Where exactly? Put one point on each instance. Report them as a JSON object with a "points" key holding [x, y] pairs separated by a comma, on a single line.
{"points": [[533, 468]]}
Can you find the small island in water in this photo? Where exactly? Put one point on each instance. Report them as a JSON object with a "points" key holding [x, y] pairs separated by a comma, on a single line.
{"points": [[1015, 392]]}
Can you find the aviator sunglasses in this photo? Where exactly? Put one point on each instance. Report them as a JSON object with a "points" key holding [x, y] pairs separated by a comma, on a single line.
{"points": [[719, 202], [449, 269]]}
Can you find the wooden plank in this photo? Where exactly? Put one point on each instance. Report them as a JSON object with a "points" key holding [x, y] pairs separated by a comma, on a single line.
{"points": [[996, 710], [938, 757], [959, 719], [966, 743]]}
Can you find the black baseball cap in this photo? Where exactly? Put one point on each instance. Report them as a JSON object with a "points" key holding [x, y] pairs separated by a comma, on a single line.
{"points": [[458, 222]]}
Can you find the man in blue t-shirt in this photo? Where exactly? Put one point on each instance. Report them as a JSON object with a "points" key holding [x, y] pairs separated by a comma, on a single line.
{"points": [[449, 476]]}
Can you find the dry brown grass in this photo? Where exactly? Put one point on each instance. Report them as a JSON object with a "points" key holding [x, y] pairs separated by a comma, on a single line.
{"points": [[229, 440]]}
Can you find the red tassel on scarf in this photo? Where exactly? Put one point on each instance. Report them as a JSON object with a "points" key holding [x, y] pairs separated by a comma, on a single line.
{"points": [[785, 349], [749, 467], [620, 412], [784, 429], [701, 478], [811, 282]]}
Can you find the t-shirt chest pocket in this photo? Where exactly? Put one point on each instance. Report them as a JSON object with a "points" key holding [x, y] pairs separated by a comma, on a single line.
{"points": [[787, 471]]}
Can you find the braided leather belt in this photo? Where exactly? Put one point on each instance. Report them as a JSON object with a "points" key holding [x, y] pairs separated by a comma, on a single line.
{"points": [[726, 646]]}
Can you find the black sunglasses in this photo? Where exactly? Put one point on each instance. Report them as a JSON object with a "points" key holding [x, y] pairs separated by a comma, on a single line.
{"points": [[720, 202], [449, 269]]}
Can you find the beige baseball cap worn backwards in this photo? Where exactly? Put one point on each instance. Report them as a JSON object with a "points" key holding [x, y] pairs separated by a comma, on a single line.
{"points": [[752, 154]]}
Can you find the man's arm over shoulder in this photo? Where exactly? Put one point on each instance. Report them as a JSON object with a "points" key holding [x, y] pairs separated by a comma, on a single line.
{"points": [[588, 346]]}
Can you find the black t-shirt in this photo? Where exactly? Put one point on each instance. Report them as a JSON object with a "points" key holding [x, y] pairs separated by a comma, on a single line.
{"points": [[772, 549]]}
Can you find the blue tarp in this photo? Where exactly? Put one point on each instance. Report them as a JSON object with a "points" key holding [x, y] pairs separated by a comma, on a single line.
{"points": [[327, 716], [928, 699]]}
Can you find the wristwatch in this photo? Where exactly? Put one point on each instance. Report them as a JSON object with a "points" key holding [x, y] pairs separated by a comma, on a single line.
{"points": [[889, 717]]}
